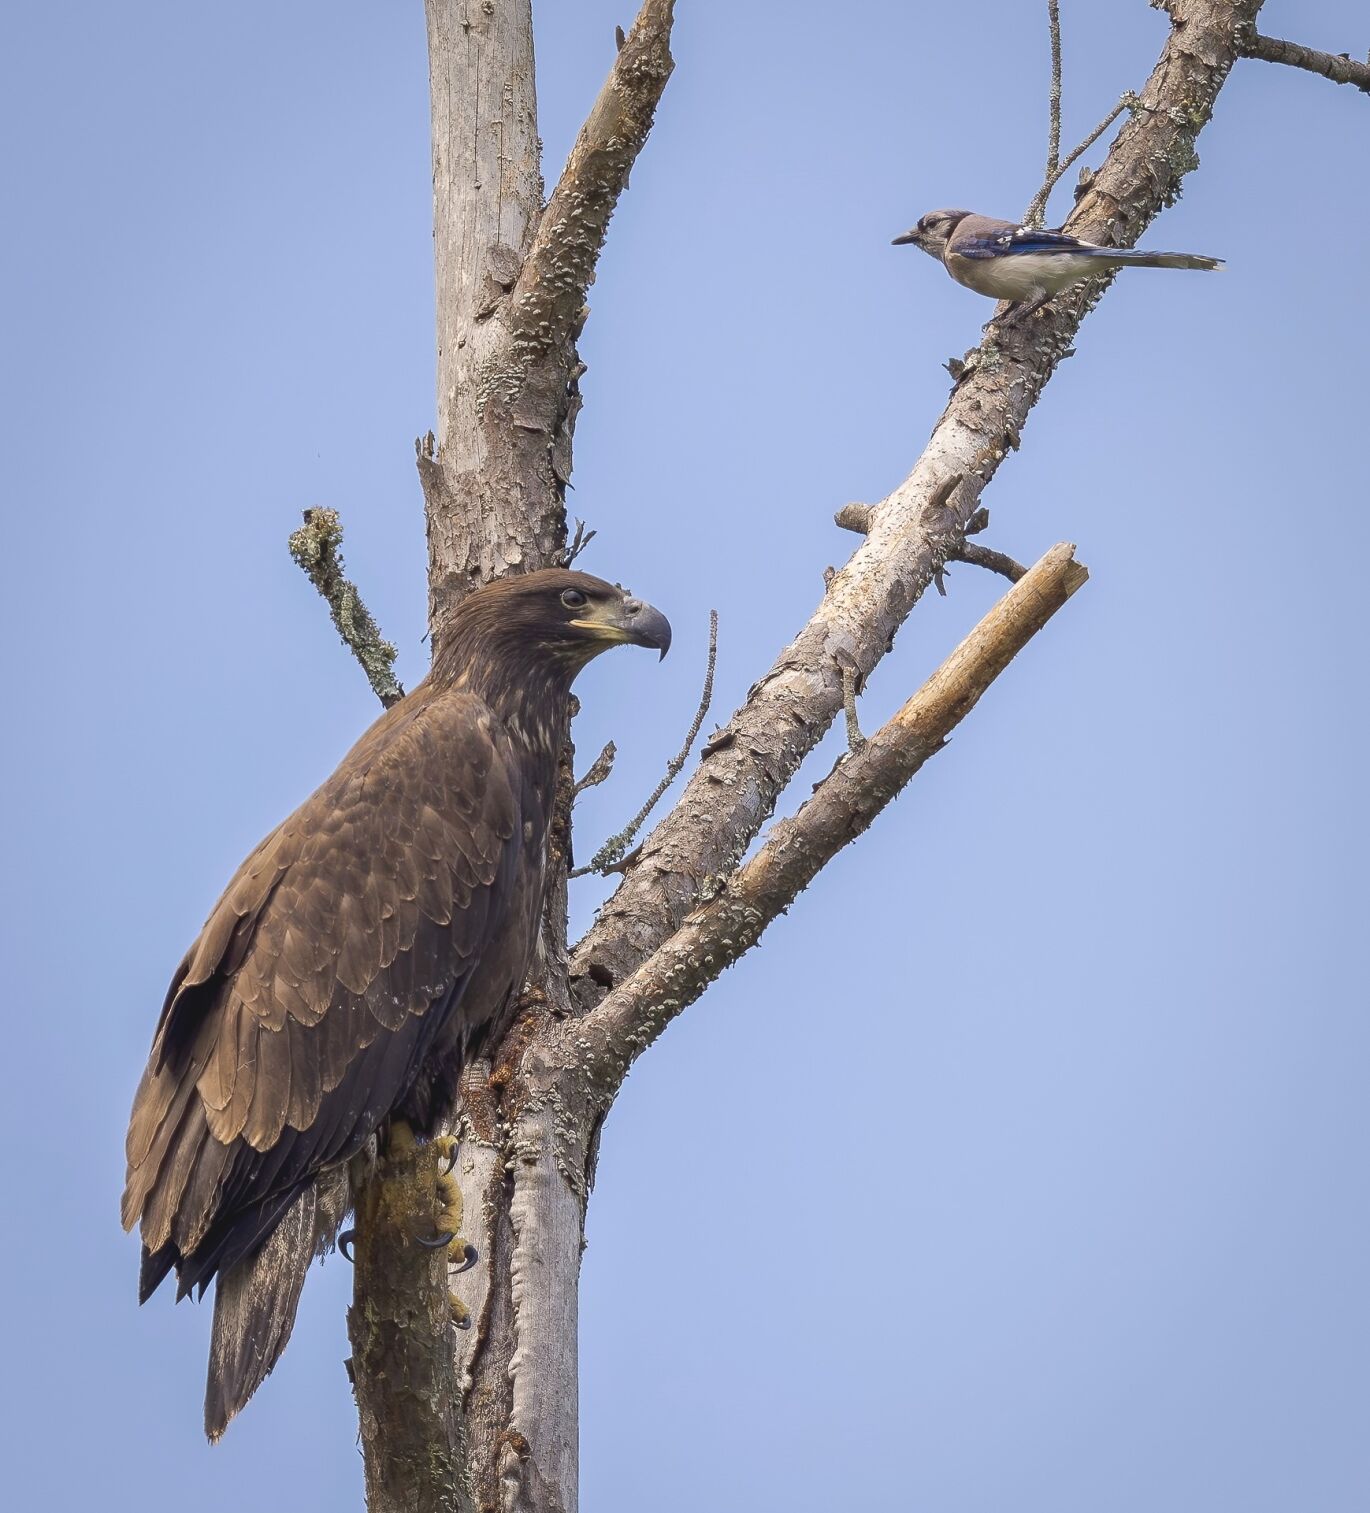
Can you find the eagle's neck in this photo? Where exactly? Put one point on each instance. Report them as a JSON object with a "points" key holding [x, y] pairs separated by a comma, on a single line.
{"points": [[529, 695], [535, 717]]}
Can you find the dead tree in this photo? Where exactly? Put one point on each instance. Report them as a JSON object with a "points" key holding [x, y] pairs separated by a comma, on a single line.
{"points": [[488, 1419]]}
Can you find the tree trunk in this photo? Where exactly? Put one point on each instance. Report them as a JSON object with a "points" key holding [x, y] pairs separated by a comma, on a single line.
{"points": [[511, 284]]}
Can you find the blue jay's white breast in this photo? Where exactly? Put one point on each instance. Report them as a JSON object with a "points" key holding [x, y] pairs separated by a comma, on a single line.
{"points": [[1020, 275]]}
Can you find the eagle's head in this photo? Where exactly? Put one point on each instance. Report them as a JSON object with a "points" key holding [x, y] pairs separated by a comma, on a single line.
{"points": [[553, 621]]}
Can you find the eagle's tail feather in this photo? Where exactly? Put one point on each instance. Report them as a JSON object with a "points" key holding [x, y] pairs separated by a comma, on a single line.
{"points": [[254, 1311]]}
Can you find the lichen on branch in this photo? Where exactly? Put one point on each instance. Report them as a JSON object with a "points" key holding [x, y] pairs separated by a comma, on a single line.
{"points": [[317, 548]]}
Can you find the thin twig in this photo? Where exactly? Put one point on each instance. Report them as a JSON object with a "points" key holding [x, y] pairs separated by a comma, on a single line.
{"points": [[316, 546], [1053, 169], [616, 847], [1037, 209], [578, 543], [987, 557], [600, 769], [1339, 67]]}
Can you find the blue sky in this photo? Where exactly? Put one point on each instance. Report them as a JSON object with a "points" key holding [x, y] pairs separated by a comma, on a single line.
{"points": [[1024, 1166]]}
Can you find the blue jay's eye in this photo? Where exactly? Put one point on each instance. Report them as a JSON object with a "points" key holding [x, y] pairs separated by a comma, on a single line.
{"points": [[573, 598]]}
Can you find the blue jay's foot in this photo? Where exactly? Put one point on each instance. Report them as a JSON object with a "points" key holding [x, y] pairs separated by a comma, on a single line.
{"points": [[1018, 312], [1021, 312], [1005, 313]]}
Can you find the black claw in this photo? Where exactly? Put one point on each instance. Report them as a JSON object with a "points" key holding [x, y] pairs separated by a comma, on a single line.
{"points": [[463, 1323], [452, 1160], [345, 1242], [470, 1255]]}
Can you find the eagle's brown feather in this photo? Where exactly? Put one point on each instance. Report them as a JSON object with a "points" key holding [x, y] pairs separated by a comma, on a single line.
{"points": [[344, 918], [354, 959]]}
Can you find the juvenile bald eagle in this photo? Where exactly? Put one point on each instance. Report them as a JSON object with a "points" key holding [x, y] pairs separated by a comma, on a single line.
{"points": [[373, 942]]}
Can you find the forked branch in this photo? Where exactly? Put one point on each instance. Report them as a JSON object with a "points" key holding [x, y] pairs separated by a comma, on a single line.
{"points": [[986, 557], [1033, 215]]}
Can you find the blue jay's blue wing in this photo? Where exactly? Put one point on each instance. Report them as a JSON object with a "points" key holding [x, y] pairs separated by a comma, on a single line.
{"points": [[1011, 243]]}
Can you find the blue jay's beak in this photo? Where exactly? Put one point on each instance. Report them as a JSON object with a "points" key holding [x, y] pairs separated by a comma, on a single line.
{"points": [[907, 238]]}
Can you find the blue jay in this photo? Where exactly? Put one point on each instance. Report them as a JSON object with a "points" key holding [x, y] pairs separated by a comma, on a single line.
{"points": [[1012, 262]]}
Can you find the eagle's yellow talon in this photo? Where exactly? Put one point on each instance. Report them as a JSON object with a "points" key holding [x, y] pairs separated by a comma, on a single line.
{"points": [[446, 1148], [460, 1252], [451, 1208], [461, 1314]]}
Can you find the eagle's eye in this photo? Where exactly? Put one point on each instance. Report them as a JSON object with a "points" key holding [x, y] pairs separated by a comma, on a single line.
{"points": [[572, 598]]}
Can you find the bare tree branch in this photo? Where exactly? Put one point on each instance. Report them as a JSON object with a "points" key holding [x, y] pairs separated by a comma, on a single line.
{"points": [[1338, 67], [599, 771], [987, 557], [914, 529], [560, 265], [317, 547], [612, 852], [855, 740], [731, 920]]}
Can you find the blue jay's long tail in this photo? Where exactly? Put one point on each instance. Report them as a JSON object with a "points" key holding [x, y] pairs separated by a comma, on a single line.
{"points": [[1126, 257]]}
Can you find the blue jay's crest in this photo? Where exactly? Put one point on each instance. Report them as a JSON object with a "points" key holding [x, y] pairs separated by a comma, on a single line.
{"points": [[1022, 264]]}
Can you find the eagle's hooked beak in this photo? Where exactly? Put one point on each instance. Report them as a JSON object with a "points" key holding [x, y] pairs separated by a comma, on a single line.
{"points": [[632, 620]]}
